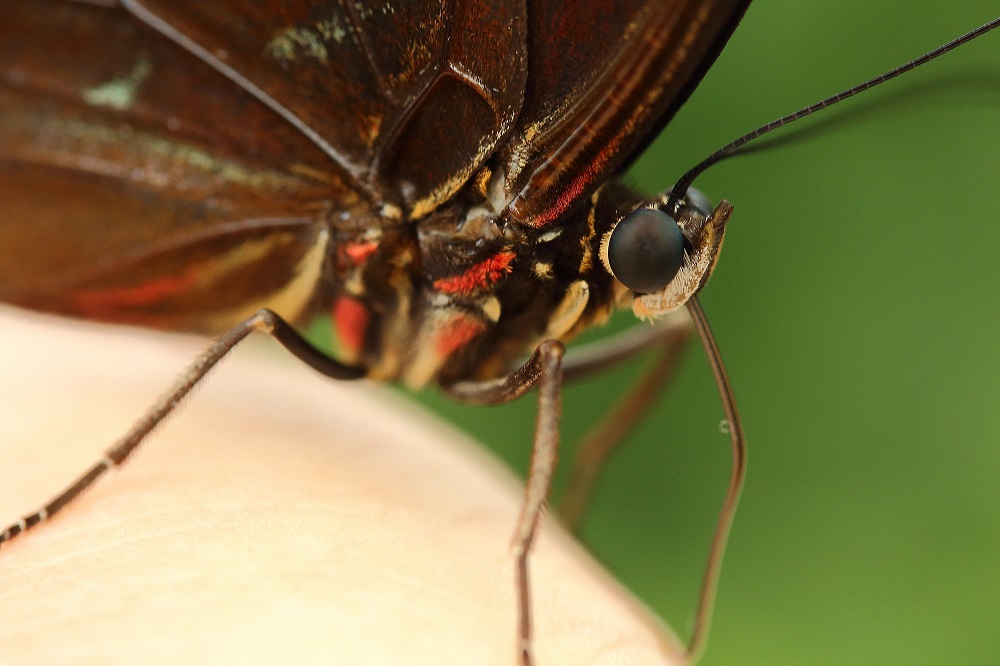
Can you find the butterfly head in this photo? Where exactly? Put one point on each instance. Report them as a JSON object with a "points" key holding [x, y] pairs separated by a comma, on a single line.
{"points": [[660, 255]]}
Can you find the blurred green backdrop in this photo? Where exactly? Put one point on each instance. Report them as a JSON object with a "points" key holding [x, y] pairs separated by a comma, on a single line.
{"points": [[856, 305]]}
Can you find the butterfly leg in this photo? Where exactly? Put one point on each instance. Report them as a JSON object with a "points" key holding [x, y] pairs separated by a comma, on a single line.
{"points": [[672, 337], [668, 340], [628, 346], [546, 368], [543, 369], [265, 321]]}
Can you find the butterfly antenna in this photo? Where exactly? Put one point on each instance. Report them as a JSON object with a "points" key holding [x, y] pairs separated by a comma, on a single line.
{"points": [[733, 148]]}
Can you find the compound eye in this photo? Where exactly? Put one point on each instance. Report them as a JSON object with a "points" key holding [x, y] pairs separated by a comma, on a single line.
{"points": [[646, 250]]}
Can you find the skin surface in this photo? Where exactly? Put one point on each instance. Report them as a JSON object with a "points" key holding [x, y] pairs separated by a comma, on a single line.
{"points": [[280, 517]]}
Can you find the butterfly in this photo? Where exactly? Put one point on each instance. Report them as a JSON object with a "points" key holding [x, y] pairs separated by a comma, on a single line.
{"points": [[138, 70]]}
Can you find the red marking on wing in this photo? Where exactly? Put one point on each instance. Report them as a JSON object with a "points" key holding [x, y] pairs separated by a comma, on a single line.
{"points": [[480, 276], [350, 317], [456, 333], [94, 301], [360, 252], [583, 180]]}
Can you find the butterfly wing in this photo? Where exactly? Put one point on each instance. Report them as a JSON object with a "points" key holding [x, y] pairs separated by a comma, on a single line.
{"points": [[408, 98], [604, 76], [137, 185]]}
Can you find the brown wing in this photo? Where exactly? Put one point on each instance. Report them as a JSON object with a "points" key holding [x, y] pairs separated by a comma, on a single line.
{"points": [[604, 75], [406, 97], [138, 185]]}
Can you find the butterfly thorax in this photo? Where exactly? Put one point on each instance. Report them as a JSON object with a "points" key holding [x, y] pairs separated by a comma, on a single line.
{"points": [[467, 291]]}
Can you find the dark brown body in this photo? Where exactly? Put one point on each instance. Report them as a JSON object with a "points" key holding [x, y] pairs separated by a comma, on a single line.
{"points": [[425, 171], [437, 176]]}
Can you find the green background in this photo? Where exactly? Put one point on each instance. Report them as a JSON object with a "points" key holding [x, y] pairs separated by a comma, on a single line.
{"points": [[856, 305]]}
